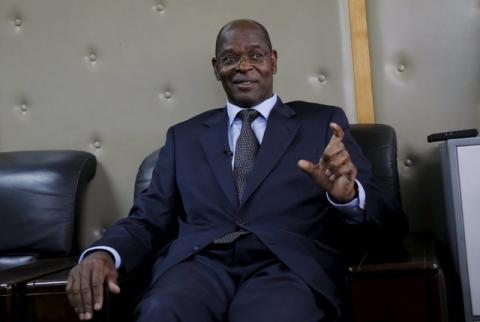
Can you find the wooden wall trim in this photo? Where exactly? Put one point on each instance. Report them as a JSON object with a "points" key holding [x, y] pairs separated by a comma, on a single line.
{"points": [[361, 61]]}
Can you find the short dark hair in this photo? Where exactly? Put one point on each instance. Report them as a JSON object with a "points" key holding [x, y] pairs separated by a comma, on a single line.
{"points": [[233, 23]]}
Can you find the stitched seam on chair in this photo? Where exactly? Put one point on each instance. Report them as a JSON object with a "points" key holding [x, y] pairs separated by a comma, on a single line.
{"points": [[76, 205]]}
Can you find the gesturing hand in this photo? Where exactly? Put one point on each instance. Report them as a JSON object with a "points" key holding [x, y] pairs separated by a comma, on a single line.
{"points": [[85, 283], [335, 171]]}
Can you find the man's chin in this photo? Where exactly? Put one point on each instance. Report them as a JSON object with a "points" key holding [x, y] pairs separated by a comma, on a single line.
{"points": [[245, 100]]}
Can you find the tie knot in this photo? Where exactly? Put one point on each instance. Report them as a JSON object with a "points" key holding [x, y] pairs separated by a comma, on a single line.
{"points": [[248, 115]]}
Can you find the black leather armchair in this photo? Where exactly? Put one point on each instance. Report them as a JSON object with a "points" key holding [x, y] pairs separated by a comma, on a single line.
{"points": [[40, 203]]}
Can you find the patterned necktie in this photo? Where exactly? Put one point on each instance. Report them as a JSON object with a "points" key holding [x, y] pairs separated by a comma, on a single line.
{"points": [[245, 150]]}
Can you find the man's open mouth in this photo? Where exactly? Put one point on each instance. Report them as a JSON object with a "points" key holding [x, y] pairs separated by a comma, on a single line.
{"points": [[244, 83]]}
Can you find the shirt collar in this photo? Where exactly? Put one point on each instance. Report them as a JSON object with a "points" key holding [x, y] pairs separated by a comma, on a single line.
{"points": [[264, 108]]}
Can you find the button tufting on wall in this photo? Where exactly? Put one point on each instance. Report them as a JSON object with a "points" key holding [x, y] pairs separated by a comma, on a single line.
{"points": [[92, 58], [408, 163], [97, 144], [97, 233], [167, 95], [24, 108], [159, 7], [322, 78], [18, 22], [401, 68]]}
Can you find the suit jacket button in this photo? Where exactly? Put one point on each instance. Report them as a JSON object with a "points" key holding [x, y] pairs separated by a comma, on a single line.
{"points": [[196, 247]]}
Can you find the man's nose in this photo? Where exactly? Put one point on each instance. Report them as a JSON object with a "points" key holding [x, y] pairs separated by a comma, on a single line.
{"points": [[244, 64]]}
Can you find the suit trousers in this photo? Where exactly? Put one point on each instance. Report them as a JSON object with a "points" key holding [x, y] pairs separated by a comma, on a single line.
{"points": [[238, 282]]}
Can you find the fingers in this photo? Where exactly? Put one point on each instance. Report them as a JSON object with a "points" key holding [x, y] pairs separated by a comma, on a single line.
{"points": [[316, 172], [336, 159], [336, 164], [97, 288], [335, 172], [73, 290], [335, 145], [337, 131], [307, 166], [86, 291], [77, 293], [85, 284], [338, 167], [112, 282], [347, 171]]}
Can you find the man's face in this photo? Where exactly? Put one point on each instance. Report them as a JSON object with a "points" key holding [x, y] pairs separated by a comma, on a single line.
{"points": [[245, 65]]}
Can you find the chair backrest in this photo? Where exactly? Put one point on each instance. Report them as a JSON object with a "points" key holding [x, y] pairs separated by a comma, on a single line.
{"points": [[40, 198], [144, 174], [378, 142]]}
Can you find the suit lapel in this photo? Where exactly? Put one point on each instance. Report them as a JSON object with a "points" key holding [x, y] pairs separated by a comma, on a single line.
{"points": [[215, 144], [281, 129]]}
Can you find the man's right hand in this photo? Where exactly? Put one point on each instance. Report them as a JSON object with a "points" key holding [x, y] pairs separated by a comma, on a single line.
{"points": [[85, 283]]}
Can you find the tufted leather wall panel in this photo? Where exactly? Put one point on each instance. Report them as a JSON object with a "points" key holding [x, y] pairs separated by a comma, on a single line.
{"points": [[426, 78], [110, 76]]}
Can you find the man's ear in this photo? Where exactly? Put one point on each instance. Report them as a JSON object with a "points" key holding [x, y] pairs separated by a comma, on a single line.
{"points": [[215, 68], [274, 57]]}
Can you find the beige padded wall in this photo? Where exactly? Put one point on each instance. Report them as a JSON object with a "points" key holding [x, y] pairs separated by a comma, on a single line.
{"points": [[110, 76], [426, 78]]}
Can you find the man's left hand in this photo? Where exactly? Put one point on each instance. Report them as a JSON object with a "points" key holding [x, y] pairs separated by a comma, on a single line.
{"points": [[335, 171]]}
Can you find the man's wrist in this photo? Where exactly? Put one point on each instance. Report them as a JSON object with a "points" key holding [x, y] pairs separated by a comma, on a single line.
{"points": [[111, 251], [351, 196], [100, 252]]}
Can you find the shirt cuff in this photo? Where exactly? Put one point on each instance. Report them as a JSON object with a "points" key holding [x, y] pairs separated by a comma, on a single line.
{"points": [[353, 210], [112, 251]]}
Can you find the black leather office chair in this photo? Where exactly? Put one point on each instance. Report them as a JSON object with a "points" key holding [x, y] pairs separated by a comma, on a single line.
{"points": [[40, 202]]}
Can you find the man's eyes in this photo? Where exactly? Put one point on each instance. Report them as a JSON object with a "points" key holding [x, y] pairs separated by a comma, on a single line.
{"points": [[228, 60], [254, 57]]}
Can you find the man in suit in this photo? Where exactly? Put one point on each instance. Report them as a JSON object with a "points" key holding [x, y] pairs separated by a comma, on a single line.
{"points": [[246, 207]]}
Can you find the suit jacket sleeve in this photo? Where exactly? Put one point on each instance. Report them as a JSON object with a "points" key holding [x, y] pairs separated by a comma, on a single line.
{"points": [[152, 221]]}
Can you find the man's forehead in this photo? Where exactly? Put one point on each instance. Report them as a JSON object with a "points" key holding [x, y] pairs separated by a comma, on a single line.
{"points": [[242, 33], [251, 38], [245, 46]]}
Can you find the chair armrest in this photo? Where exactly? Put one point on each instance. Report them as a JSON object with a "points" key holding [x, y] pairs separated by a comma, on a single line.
{"points": [[14, 281], [416, 253], [404, 284], [16, 276]]}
